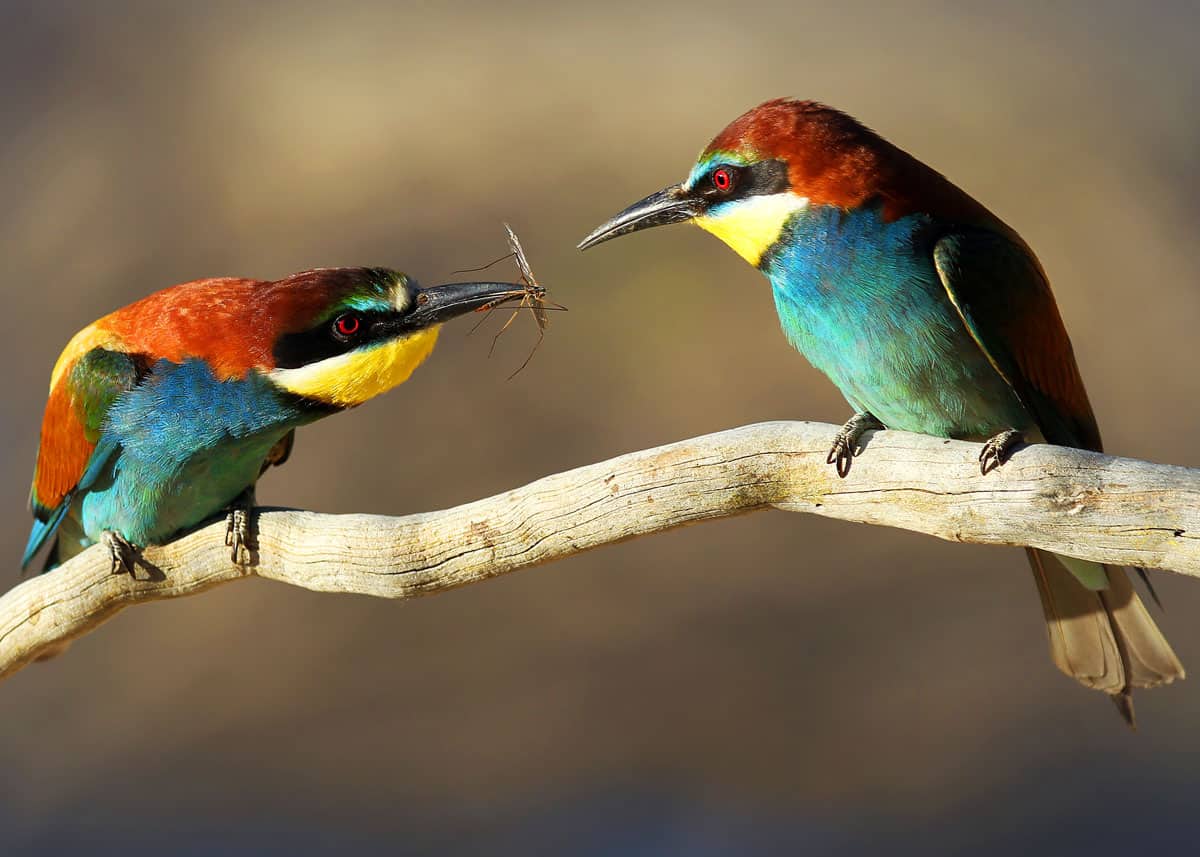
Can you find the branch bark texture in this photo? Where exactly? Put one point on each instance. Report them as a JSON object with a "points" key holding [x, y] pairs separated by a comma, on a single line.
{"points": [[1078, 503]]}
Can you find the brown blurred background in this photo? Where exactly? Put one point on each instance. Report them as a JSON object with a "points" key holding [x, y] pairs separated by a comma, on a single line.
{"points": [[765, 685]]}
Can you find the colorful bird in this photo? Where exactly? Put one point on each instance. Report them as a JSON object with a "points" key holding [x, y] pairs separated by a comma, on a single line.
{"points": [[166, 412], [929, 314]]}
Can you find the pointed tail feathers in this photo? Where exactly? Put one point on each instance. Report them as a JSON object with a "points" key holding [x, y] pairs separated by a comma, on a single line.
{"points": [[1103, 639]]}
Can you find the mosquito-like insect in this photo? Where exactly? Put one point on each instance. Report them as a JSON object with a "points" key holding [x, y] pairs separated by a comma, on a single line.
{"points": [[532, 298]]}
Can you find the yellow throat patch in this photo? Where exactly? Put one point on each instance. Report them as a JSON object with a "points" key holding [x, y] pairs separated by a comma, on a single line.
{"points": [[357, 376], [751, 225]]}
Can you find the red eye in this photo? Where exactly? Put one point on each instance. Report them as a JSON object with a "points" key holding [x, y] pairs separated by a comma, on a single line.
{"points": [[722, 179], [347, 325]]}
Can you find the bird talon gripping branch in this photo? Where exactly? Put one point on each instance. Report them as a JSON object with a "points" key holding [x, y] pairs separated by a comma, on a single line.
{"points": [[120, 552], [161, 411], [999, 449], [924, 308], [845, 443], [237, 527]]}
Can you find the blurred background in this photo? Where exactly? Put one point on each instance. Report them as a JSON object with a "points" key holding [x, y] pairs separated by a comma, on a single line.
{"points": [[771, 684]]}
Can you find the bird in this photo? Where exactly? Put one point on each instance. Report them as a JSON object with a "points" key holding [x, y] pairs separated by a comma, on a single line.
{"points": [[166, 412], [929, 314]]}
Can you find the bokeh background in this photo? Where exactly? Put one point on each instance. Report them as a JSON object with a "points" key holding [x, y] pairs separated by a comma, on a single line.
{"points": [[772, 684]]}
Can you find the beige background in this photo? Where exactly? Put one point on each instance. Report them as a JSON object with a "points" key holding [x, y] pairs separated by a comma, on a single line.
{"points": [[749, 686]]}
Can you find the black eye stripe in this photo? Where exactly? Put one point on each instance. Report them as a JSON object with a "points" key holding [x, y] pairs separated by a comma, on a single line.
{"points": [[758, 179], [325, 340]]}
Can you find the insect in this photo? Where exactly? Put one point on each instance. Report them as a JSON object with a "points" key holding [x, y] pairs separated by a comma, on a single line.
{"points": [[532, 298]]}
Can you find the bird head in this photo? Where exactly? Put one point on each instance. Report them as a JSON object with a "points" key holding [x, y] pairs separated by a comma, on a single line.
{"points": [[341, 336], [755, 176], [335, 336]]}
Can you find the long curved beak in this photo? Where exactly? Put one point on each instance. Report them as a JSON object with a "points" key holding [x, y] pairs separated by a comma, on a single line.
{"points": [[670, 205], [436, 304]]}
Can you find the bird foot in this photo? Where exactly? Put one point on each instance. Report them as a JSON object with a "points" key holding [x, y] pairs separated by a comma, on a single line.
{"points": [[999, 449], [120, 552], [237, 527], [845, 442]]}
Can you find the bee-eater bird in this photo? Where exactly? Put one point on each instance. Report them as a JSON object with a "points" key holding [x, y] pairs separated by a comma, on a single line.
{"points": [[930, 315], [166, 412]]}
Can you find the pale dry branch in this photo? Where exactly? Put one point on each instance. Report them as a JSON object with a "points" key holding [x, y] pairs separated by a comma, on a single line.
{"points": [[1077, 503]]}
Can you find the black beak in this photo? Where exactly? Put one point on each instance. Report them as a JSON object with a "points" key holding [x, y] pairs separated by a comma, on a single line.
{"points": [[437, 304], [670, 205]]}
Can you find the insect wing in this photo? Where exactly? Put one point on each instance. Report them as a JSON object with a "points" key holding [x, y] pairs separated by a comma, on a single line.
{"points": [[518, 251]]}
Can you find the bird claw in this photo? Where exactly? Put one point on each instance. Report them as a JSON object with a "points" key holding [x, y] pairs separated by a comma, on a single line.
{"points": [[237, 528], [841, 453], [998, 450], [120, 552], [845, 442], [236, 533]]}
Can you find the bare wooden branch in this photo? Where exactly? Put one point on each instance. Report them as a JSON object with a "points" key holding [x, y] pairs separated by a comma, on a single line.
{"points": [[1073, 502]]}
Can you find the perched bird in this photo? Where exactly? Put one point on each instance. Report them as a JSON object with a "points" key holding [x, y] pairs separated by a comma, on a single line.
{"points": [[166, 412], [929, 314]]}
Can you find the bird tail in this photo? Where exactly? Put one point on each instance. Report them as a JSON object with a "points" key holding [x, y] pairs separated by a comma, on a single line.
{"points": [[41, 532], [1103, 638]]}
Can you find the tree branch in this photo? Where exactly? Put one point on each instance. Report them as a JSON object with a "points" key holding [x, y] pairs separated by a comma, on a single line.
{"points": [[1078, 503]]}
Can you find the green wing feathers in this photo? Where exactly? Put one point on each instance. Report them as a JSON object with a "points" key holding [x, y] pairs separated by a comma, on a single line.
{"points": [[71, 429], [1004, 299]]}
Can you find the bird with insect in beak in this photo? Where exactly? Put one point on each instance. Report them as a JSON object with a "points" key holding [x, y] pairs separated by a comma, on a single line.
{"points": [[930, 315], [166, 412]]}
